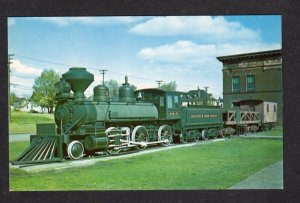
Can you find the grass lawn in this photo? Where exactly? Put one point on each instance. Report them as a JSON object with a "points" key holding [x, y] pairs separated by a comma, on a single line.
{"points": [[24, 122], [16, 148], [277, 131], [216, 165]]}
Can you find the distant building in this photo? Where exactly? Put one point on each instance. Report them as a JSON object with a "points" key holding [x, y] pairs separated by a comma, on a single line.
{"points": [[26, 106], [199, 97], [253, 76], [20, 104]]}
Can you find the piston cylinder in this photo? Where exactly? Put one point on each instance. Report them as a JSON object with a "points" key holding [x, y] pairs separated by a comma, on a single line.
{"points": [[95, 143]]}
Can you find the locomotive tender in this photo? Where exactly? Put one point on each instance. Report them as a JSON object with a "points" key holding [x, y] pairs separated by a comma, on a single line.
{"points": [[138, 119]]}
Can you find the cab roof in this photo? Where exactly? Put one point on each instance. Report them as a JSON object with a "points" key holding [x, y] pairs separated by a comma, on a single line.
{"points": [[159, 90]]}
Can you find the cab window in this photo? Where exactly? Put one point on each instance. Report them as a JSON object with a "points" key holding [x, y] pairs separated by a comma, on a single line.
{"points": [[176, 101], [169, 101], [161, 101]]}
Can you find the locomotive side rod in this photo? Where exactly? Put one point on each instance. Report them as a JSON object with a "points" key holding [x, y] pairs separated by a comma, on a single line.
{"points": [[145, 143], [127, 144]]}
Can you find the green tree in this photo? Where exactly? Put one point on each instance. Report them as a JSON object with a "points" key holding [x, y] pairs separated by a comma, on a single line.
{"points": [[133, 87], [43, 89], [171, 86], [113, 87], [12, 98]]}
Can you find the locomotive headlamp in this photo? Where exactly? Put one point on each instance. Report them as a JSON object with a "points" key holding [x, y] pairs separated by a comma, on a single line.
{"points": [[62, 89]]}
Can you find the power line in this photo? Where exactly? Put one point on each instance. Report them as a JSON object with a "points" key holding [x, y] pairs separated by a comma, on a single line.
{"points": [[62, 64], [22, 87], [111, 71], [43, 61], [133, 76], [14, 84]]}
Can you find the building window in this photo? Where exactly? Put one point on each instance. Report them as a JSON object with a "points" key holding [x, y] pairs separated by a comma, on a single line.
{"points": [[250, 83], [236, 84]]}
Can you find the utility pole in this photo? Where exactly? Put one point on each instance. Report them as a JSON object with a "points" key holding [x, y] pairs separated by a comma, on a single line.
{"points": [[9, 61], [206, 96], [103, 73], [159, 82]]}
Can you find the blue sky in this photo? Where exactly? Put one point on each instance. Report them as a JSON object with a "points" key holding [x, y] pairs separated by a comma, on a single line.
{"points": [[168, 48]]}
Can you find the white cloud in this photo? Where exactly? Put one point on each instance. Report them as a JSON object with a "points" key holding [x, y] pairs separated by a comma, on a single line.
{"points": [[22, 70], [22, 78], [96, 21], [188, 52], [179, 52], [21, 86], [210, 28], [192, 64]]}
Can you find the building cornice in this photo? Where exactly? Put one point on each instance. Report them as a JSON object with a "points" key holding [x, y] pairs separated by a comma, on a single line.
{"points": [[253, 55]]}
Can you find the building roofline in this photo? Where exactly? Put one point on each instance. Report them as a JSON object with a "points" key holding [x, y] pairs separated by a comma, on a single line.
{"points": [[249, 55]]}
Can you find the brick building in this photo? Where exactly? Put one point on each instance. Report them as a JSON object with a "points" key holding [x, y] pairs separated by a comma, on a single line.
{"points": [[253, 76]]}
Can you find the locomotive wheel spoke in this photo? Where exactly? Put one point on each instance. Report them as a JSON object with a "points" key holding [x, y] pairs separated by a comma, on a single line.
{"points": [[220, 134], [140, 134], [165, 134], [112, 140], [212, 133], [183, 140], [204, 135], [196, 138], [193, 135]]}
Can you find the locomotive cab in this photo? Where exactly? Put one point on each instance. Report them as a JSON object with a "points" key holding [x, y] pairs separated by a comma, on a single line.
{"points": [[168, 103]]}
